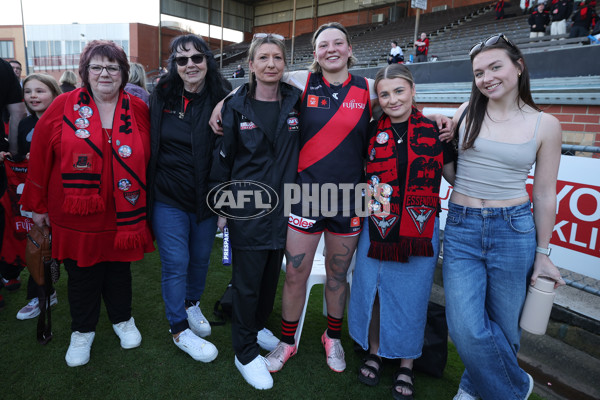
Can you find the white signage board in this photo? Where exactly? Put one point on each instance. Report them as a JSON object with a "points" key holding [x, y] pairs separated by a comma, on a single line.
{"points": [[422, 4], [575, 240]]}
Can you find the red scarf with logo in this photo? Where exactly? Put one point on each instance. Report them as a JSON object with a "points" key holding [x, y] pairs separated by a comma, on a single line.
{"points": [[398, 233], [82, 159]]}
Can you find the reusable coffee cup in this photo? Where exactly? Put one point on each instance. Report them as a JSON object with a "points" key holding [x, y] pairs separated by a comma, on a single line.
{"points": [[538, 306]]}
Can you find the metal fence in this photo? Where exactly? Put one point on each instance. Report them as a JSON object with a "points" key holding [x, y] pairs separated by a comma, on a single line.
{"points": [[574, 279]]}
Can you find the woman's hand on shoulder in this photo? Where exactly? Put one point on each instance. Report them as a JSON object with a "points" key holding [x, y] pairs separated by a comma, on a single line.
{"points": [[296, 78], [544, 267], [445, 126], [215, 119]]}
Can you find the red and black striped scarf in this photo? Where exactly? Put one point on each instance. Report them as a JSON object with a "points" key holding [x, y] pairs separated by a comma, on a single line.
{"points": [[398, 233], [82, 159]]}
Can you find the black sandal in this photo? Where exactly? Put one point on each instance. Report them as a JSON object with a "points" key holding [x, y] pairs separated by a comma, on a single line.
{"points": [[403, 384], [370, 381]]}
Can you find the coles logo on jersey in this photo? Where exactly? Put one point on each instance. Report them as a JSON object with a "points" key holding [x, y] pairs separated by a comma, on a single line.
{"points": [[318, 101], [352, 104], [355, 222], [247, 125], [300, 222]]}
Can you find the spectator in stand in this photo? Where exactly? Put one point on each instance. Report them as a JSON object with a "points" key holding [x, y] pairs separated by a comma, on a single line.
{"points": [[11, 97], [87, 182], [17, 68], [422, 48], [239, 72], [39, 90], [499, 8], [184, 226], [582, 20], [559, 10], [137, 82], [396, 55], [538, 21], [68, 80]]}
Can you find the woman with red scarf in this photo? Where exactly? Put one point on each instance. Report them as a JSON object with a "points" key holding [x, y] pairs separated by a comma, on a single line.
{"points": [[87, 182], [397, 254]]}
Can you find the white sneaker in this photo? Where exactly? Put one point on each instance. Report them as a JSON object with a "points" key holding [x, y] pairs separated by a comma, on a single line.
{"points": [[198, 348], [32, 309], [530, 387], [266, 340], [197, 322], [128, 333], [78, 352], [462, 395], [256, 373]]}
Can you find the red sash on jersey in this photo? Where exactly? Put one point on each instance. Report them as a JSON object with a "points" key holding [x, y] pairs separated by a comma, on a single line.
{"points": [[16, 226], [330, 136]]}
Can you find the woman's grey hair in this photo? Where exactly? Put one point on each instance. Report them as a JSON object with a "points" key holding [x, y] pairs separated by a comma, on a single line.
{"points": [[68, 77], [137, 74]]}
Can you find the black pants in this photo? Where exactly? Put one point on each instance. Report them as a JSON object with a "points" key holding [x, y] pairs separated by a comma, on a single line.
{"points": [[255, 277], [110, 281]]}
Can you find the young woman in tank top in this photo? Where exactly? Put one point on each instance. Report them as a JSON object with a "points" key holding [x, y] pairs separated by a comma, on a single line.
{"points": [[494, 246]]}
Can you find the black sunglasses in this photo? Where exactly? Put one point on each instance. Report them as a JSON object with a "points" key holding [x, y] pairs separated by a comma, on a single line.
{"points": [[183, 60], [492, 40]]}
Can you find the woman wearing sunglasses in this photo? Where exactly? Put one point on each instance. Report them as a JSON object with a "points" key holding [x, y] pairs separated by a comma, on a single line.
{"points": [[181, 152], [493, 244], [261, 144]]}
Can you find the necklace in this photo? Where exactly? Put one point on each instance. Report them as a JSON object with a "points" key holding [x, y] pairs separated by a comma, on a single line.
{"points": [[107, 135], [400, 138], [182, 112]]}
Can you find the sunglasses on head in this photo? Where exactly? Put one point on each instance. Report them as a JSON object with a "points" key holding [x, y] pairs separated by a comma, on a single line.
{"points": [[266, 35], [183, 60], [492, 40]]}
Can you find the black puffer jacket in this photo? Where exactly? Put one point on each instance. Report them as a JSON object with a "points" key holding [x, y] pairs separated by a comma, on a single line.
{"points": [[248, 152]]}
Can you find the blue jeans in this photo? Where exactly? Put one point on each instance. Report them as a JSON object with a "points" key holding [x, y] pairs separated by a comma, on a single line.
{"points": [[184, 246], [488, 258]]}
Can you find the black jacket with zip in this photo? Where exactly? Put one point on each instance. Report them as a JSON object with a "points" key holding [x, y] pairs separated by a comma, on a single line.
{"points": [[248, 151], [203, 140]]}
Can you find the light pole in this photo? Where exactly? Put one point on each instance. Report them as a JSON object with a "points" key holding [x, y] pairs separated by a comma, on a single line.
{"points": [[24, 40]]}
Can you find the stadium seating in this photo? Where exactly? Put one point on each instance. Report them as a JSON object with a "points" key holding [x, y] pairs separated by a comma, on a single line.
{"points": [[451, 32]]}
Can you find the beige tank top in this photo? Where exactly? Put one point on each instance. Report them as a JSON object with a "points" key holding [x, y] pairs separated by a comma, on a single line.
{"points": [[494, 170]]}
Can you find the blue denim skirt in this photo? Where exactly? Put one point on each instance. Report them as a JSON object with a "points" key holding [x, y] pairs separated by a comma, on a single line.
{"points": [[403, 289]]}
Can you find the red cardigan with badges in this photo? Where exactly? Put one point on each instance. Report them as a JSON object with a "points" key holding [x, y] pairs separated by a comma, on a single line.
{"points": [[91, 238]]}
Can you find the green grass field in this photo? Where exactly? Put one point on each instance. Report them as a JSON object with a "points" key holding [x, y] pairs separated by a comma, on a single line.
{"points": [[159, 370]]}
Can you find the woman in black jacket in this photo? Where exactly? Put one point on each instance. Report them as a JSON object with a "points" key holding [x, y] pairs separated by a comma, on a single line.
{"points": [[259, 153], [181, 152]]}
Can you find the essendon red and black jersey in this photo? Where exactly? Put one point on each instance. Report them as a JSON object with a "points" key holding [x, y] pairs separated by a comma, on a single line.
{"points": [[334, 122]]}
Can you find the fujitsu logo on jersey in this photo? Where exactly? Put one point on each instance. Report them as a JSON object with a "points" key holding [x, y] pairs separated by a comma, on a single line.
{"points": [[352, 104]]}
